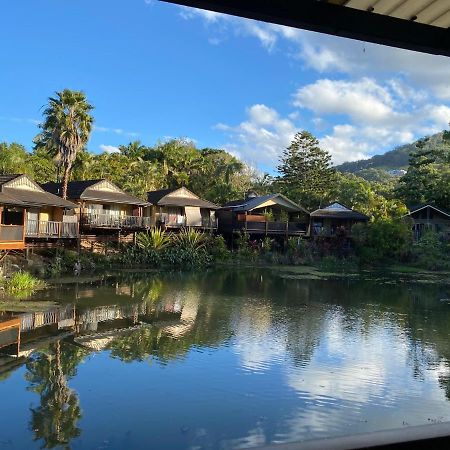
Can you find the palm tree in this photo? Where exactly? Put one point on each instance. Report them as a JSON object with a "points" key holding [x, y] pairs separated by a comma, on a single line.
{"points": [[66, 129]]}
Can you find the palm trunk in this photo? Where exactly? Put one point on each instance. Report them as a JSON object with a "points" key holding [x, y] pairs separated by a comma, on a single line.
{"points": [[65, 182]]}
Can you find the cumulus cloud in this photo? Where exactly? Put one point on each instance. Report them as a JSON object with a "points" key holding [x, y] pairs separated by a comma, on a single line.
{"points": [[363, 131], [260, 138], [118, 131], [109, 148], [363, 100], [368, 99]]}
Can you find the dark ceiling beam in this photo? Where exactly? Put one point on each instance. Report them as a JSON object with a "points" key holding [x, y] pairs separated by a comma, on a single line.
{"points": [[336, 20]]}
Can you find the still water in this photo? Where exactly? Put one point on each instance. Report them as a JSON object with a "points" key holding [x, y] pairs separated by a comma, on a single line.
{"points": [[226, 359]]}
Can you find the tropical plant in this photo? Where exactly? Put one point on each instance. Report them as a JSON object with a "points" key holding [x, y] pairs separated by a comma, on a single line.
{"points": [[66, 129], [157, 239], [190, 239]]}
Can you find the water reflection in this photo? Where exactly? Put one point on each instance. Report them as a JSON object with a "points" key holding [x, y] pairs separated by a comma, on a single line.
{"points": [[239, 359], [55, 420]]}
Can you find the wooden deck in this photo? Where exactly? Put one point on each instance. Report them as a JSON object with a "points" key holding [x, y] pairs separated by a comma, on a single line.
{"points": [[12, 237], [265, 228], [10, 333]]}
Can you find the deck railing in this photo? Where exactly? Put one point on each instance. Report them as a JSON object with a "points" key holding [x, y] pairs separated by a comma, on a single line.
{"points": [[179, 221], [114, 221], [51, 229], [264, 227], [11, 233]]}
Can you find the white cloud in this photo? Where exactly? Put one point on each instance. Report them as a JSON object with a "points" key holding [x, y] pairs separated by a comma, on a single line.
{"points": [[109, 148], [369, 98], [261, 138], [363, 100], [21, 120], [118, 131]]}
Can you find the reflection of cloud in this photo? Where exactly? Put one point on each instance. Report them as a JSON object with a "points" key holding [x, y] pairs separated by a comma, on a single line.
{"points": [[257, 344]]}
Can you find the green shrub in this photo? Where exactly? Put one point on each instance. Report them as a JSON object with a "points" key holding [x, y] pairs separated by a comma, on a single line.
{"points": [[217, 248], [23, 284], [431, 252], [382, 240]]}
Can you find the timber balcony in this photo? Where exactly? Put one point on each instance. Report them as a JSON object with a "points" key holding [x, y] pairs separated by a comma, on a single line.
{"points": [[180, 221], [255, 224], [12, 237], [51, 229], [102, 220]]}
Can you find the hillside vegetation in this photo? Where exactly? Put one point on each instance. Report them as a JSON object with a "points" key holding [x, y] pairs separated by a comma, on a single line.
{"points": [[392, 160]]}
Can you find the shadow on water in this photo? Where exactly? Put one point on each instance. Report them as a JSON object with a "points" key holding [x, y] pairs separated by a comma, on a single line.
{"points": [[313, 358]]}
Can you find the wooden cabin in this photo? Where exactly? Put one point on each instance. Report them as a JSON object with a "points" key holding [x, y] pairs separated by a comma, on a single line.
{"points": [[429, 217], [335, 219], [268, 215], [178, 208], [29, 213], [103, 205]]}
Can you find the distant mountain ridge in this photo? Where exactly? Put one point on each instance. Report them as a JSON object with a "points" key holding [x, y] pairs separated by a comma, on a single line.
{"points": [[396, 159]]}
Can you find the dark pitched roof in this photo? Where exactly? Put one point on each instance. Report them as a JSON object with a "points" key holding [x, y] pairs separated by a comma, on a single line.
{"points": [[162, 197], [82, 190], [4, 178], [11, 195], [6, 199], [254, 202], [74, 188], [338, 211], [417, 208]]}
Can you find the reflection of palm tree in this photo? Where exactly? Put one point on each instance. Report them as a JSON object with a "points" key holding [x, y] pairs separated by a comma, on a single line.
{"points": [[54, 421]]}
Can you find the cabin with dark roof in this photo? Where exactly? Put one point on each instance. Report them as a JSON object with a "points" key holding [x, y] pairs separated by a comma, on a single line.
{"points": [[30, 214], [335, 219], [178, 208], [267, 215], [103, 205], [429, 217]]}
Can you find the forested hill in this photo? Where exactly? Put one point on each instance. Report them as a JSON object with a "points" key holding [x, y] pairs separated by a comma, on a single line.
{"points": [[393, 160]]}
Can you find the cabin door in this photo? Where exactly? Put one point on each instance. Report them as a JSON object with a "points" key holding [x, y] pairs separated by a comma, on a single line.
{"points": [[32, 222]]}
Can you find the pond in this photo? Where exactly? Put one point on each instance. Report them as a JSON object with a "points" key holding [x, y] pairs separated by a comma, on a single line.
{"points": [[225, 359]]}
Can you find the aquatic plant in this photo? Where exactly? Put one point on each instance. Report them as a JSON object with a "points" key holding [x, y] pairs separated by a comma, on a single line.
{"points": [[23, 283]]}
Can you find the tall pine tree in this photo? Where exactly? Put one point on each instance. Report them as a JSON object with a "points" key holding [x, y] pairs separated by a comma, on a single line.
{"points": [[307, 174]]}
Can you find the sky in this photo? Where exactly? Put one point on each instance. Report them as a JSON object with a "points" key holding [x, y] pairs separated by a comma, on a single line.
{"points": [[156, 71]]}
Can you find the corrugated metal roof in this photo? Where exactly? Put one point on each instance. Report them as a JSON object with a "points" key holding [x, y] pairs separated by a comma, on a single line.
{"points": [[162, 198], [82, 190], [429, 12]]}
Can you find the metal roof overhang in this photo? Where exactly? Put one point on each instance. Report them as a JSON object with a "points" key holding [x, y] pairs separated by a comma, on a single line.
{"points": [[420, 25]]}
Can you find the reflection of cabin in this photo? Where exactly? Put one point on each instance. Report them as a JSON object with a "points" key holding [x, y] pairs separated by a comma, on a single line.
{"points": [[177, 208], [335, 220], [429, 217], [29, 213], [102, 205], [272, 214]]}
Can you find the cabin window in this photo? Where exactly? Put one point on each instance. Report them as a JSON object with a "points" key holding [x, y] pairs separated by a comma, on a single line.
{"points": [[12, 216]]}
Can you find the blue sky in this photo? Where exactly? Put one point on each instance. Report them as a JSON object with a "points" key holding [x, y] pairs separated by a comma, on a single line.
{"points": [[155, 71]]}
